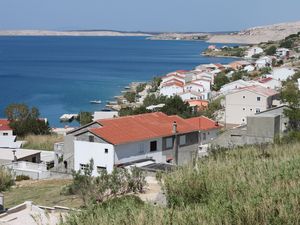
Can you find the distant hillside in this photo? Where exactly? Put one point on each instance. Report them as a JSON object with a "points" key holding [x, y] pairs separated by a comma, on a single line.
{"points": [[70, 33], [259, 34]]}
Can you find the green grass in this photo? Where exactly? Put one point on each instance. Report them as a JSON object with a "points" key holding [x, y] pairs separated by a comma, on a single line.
{"points": [[42, 142], [244, 186], [45, 192]]}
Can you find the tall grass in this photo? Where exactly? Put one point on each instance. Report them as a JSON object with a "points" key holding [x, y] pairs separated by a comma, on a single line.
{"points": [[42, 142], [254, 185], [6, 178]]}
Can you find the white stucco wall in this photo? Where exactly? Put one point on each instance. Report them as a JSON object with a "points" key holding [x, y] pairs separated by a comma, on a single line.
{"points": [[170, 90], [84, 151], [9, 132], [138, 150], [238, 108]]}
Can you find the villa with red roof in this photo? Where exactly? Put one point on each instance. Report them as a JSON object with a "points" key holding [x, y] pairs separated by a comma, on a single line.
{"points": [[151, 136], [5, 129], [246, 101]]}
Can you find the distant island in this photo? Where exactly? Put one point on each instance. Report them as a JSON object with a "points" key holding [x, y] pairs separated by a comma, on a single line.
{"points": [[71, 33], [253, 35]]}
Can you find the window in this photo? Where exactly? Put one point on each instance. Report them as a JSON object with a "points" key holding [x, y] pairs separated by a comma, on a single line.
{"points": [[258, 99], [106, 150], [182, 140], [244, 96], [244, 109], [250, 109], [91, 138], [153, 146], [243, 120], [257, 110], [5, 134], [83, 166], [169, 142], [101, 169], [204, 136]]}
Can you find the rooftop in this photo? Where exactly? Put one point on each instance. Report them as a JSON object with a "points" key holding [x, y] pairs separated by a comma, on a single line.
{"points": [[147, 126], [4, 124], [257, 89]]}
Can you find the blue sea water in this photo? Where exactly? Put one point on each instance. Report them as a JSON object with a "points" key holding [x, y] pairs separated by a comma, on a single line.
{"points": [[62, 74]]}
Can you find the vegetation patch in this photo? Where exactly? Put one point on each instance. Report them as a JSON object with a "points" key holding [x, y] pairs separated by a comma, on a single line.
{"points": [[42, 142]]}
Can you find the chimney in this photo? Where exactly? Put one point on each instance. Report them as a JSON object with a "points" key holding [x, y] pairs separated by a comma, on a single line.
{"points": [[217, 123], [15, 157], [174, 127]]}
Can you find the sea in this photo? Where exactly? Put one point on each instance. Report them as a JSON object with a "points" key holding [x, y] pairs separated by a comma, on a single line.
{"points": [[61, 75]]}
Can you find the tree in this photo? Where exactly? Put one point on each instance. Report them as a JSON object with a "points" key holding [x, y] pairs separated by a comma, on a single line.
{"points": [[220, 80], [271, 50], [291, 95], [130, 96], [238, 75], [84, 118], [24, 120], [152, 99], [176, 106], [286, 44], [140, 87]]}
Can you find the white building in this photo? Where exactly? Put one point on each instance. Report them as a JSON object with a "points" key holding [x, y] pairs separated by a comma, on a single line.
{"points": [[5, 129], [233, 86], [268, 82], [171, 88], [263, 62], [246, 102], [249, 68], [282, 73], [105, 114], [282, 52], [119, 141], [253, 51]]}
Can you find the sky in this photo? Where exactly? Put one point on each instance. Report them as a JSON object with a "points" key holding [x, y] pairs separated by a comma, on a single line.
{"points": [[142, 15]]}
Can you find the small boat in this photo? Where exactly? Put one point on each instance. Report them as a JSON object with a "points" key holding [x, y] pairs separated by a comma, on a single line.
{"points": [[95, 102]]}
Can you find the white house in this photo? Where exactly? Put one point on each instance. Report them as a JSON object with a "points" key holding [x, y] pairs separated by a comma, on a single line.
{"points": [[193, 86], [233, 86], [171, 88], [192, 95], [269, 82], [105, 114], [246, 102], [173, 76], [123, 140], [7, 139], [282, 73], [262, 62], [298, 83], [249, 68], [282, 52], [253, 51]]}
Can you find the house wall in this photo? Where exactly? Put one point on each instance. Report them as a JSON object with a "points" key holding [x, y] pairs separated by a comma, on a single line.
{"points": [[35, 158], [188, 96], [263, 126], [8, 132], [170, 90], [237, 108], [138, 150], [68, 150], [84, 151]]}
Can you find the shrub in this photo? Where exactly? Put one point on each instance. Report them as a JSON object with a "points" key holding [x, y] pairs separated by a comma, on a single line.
{"points": [[6, 178], [105, 186], [22, 177], [271, 50], [130, 96]]}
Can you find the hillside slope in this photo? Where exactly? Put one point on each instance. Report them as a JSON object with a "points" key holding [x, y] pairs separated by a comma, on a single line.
{"points": [[259, 34]]}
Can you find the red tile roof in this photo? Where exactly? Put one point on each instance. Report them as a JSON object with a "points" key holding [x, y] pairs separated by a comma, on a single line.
{"points": [[173, 82], [147, 126], [4, 124], [265, 80]]}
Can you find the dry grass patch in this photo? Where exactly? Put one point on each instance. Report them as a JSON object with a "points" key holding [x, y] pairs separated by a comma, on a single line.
{"points": [[43, 192], [42, 142]]}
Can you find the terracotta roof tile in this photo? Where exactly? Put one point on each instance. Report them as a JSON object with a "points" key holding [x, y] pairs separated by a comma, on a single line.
{"points": [[4, 124], [146, 126]]}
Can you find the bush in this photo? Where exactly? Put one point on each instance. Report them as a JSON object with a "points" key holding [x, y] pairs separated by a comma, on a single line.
{"points": [[6, 178], [271, 50], [22, 177], [140, 87], [105, 186]]}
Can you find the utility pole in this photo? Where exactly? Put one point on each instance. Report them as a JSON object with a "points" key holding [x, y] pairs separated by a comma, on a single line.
{"points": [[175, 145]]}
